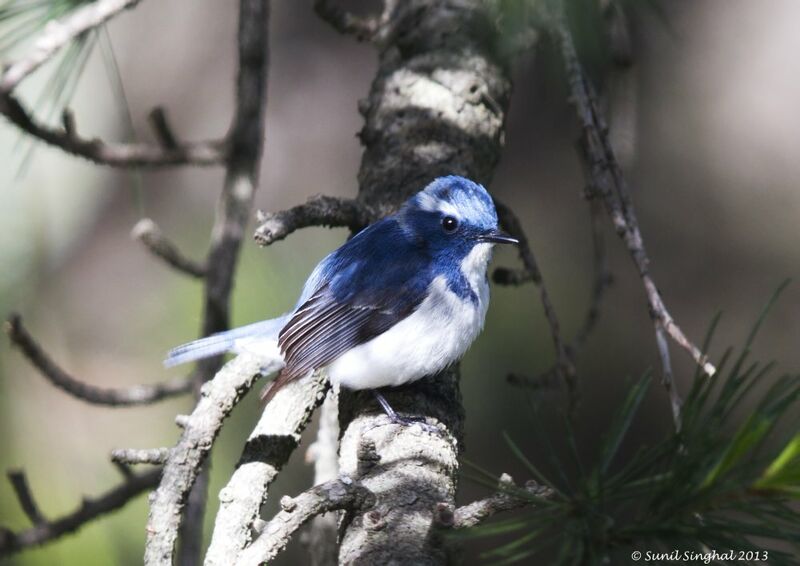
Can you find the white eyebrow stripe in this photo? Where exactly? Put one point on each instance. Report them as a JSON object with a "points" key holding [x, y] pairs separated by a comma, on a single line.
{"points": [[448, 209], [427, 202]]}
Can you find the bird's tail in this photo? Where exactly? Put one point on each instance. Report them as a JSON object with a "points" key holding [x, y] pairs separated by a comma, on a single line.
{"points": [[222, 342]]}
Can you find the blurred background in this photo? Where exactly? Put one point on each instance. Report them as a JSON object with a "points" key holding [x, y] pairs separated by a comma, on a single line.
{"points": [[706, 120]]}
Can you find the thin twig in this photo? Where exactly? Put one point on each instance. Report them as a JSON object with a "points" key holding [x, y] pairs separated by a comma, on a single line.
{"points": [[564, 362], [269, 446], [144, 394], [508, 498], [342, 493], [57, 34], [19, 482], [161, 128], [363, 28], [89, 510], [148, 232], [607, 182], [602, 281], [319, 210], [113, 154], [156, 456]]}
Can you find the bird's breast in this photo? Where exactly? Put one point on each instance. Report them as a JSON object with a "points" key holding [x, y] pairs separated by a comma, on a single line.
{"points": [[435, 335]]}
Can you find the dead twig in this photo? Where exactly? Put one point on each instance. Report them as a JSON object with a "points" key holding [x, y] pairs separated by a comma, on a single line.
{"points": [[363, 28], [607, 183], [508, 498], [148, 232], [320, 538], [144, 394], [319, 210], [89, 510], [566, 366], [602, 280], [212, 152], [155, 456], [19, 482], [273, 440], [233, 212], [341, 493], [218, 397]]}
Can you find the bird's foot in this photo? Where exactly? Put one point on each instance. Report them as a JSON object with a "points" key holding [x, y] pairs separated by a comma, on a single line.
{"points": [[404, 421]]}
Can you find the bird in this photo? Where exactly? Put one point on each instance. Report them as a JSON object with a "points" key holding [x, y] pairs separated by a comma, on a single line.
{"points": [[402, 299]]}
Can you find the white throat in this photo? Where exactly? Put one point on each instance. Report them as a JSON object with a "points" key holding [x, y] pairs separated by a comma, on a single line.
{"points": [[474, 266]]}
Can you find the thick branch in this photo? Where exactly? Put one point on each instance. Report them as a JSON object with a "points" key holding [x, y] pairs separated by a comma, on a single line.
{"points": [[217, 400], [110, 153], [124, 396], [148, 232], [89, 510], [273, 440], [317, 211], [59, 33], [343, 493], [436, 107]]}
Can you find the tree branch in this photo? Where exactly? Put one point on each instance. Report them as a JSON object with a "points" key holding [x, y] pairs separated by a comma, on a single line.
{"points": [[363, 28], [156, 456], [109, 153], [508, 498], [148, 232], [317, 211], [436, 107], [87, 511], [607, 182], [218, 397], [233, 212], [161, 128], [119, 397], [602, 281], [320, 539], [564, 361], [57, 34], [23, 492], [342, 493], [273, 440]]}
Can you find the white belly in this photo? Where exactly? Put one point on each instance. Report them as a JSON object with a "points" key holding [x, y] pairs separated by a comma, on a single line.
{"points": [[427, 341]]}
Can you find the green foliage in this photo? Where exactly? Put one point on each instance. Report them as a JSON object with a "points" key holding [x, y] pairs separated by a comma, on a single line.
{"points": [[728, 480], [23, 20]]}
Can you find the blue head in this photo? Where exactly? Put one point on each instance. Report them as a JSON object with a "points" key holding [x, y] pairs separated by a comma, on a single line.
{"points": [[451, 216]]}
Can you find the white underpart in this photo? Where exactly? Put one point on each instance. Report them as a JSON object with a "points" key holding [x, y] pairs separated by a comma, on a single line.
{"points": [[427, 341]]}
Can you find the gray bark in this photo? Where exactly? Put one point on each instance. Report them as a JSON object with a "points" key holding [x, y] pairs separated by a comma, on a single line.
{"points": [[436, 107]]}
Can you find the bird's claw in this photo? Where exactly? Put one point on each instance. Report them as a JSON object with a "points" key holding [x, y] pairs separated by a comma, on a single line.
{"points": [[410, 421]]}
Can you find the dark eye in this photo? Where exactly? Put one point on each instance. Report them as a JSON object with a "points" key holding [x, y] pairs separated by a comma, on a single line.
{"points": [[449, 224]]}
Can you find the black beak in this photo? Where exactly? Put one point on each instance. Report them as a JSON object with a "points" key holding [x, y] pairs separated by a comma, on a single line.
{"points": [[497, 237]]}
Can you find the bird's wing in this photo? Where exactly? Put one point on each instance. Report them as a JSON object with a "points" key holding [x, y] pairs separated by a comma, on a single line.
{"points": [[372, 284]]}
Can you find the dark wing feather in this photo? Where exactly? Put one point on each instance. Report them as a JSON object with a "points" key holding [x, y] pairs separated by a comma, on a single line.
{"points": [[364, 290], [318, 335]]}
